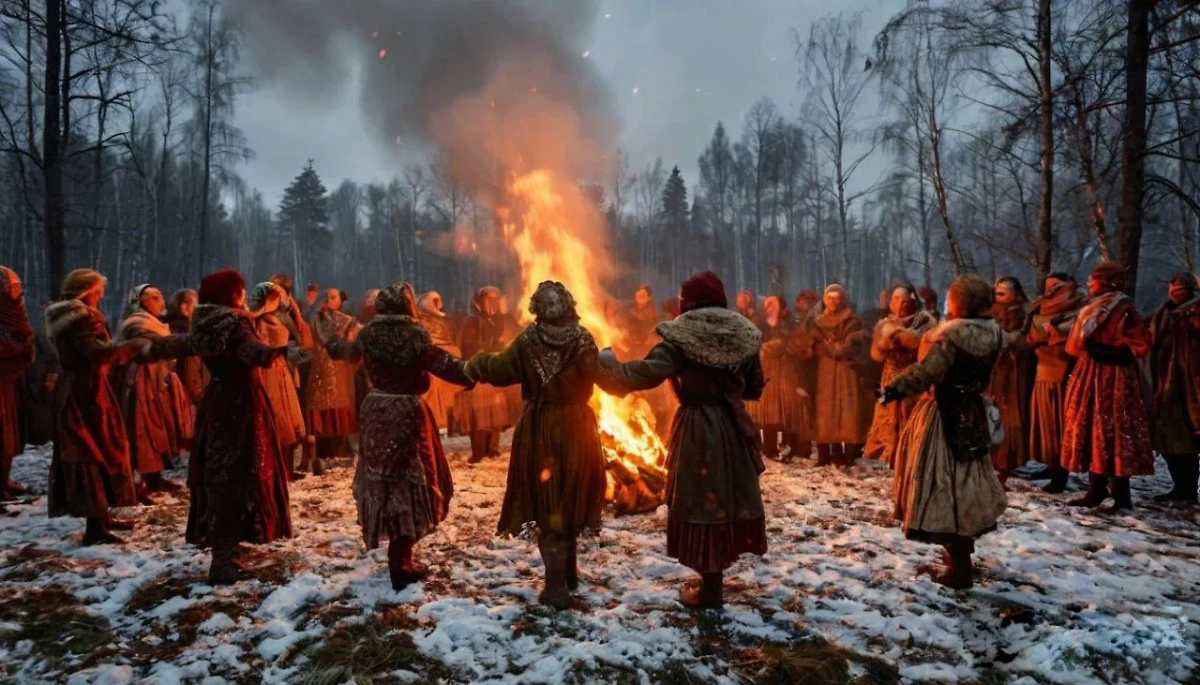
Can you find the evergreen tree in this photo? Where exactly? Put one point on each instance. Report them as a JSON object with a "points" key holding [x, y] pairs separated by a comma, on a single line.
{"points": [[675, 203], [304, 221]]}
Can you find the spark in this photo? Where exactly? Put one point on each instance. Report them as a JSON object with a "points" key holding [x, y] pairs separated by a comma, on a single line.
{"points": [[587, 54], [637, 89], [382, 53]]}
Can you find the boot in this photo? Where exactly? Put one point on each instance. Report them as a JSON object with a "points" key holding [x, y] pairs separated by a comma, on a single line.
{"points": [[1058, 481], [573, 565], [850, 455], [804, 449], [1096, 494], [143, 494], [96, 532], [1122, 498], [1189, 470], [222, 570], [121, 524], [494, 443], [479, 446], [401, 568], [958, 574], [824, 454], [770, 443], [708, 594], [555, 551], [792, 442]]}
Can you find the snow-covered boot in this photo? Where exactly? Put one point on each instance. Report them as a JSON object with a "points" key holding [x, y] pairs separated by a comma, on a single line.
{"points": [[708, 594]]}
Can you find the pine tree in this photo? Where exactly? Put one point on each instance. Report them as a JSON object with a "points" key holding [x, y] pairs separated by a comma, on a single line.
{"points": [[675, 203], [304, 222]]}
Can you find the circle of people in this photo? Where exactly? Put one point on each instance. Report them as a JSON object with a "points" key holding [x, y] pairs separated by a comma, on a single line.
{"points": [[243, 379]]}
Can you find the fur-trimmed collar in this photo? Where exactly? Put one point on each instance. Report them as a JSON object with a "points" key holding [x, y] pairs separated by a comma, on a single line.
{"points": [[142, 324], [712, 336], [977, 337], [60, 316]]}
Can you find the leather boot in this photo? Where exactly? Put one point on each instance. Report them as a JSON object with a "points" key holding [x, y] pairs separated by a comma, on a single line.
{"points": [[1058, 481], [401, 567], [1122, 498], [97, 532], [824, 454], [792, 442], [708, 594], [1189, 470], [156, 483], [554, 551], [959, 574], [493, 446], [1096, 494], [573, 564], [479, 446], [770, 443], [222, 570], [850, 455]]}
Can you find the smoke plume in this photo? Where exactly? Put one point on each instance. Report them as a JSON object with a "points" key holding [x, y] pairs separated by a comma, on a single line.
{"points": [[490, 84]]}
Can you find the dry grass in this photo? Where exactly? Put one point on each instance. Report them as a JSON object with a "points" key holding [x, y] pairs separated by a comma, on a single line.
{"points": [[54, 620], [368, 651], [814, 662]]}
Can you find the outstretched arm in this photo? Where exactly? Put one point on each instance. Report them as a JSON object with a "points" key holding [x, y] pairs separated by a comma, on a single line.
{"points": [[497, 368], [661, 363], [918, 377]]}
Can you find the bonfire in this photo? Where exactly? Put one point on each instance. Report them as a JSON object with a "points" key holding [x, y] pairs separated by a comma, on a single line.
{"points": [[554, 233]]}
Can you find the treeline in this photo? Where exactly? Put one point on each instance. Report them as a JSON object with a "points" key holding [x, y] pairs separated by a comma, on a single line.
{"points": [[1017, 137]]}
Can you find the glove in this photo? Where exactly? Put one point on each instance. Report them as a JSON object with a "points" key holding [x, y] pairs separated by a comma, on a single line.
{"points": [[890, 394], [608, 359], [297, 356]]}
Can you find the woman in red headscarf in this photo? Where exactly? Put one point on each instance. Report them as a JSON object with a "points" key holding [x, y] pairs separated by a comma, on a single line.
{"points": [[1107, 431], [16, 353], [90, 470], [238, 475], [710, 356]]}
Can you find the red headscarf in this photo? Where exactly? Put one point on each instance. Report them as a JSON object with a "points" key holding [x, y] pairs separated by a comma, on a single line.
{"points": [[14, 321], [1111, 274], [704, 289], [220, 287]]}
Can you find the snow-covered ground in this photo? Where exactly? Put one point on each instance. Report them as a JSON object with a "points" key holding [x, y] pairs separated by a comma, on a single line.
{"points": [[1065, 596]]}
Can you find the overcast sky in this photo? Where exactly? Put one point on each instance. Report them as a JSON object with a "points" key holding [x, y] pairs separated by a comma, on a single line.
{"points": [[675, 68]]}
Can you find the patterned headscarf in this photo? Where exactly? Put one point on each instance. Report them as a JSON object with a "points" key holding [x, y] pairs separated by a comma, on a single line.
{"points": [[397, 299], [553, 303], [133, 300]]}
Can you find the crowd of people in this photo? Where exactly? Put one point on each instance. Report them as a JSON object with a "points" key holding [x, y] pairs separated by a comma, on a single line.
{"points": [[261, 388]]}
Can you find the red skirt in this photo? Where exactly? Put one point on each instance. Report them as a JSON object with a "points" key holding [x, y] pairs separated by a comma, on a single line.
{"points": [[712, 548], [1107, 430]]}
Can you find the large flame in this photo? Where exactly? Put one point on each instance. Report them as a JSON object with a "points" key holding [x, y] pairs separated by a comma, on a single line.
{"points": [[557, 235]]}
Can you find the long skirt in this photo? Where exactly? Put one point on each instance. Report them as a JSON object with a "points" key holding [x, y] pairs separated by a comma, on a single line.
{"points": [[183, 413], [440, 399], [285, 403], [780, 406], [483, 408], [839, 407], [402, 484], [1107, 428], [936, 496], [556, 476], [715, 511], [1046, 422]]}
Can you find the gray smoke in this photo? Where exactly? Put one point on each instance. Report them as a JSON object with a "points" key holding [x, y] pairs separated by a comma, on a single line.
{"points": [[491, 84]]}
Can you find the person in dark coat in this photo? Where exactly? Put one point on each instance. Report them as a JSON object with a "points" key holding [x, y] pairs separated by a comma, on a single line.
{"points": [[946, 491], [710, 356], [840, 419], [402, 483], [238, 474], [780, 413], [16, 354], [556, 476], [90, 471], [1175, 372], [37, 418]]}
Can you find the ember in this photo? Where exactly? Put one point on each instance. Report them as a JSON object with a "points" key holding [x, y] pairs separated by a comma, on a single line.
{"points": [[553, 232]]}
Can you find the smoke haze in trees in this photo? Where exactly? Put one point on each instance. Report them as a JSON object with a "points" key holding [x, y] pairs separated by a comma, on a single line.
{"points": [[485, 82]]}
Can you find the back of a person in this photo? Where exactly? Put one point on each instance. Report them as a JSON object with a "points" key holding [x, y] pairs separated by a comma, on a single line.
{"points": [[392, 347]]}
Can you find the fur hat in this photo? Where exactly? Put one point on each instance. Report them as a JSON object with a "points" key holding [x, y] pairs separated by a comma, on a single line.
{"points": [[397, 299], [553, 303], [704, 289], [220, 287], [1111, 274]]}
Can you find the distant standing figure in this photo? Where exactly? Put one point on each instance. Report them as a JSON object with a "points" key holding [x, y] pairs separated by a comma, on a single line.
{"points": [[839, 338], [441, 392], [895, 342], [483, 410], [779, 412], [1051, 318], [1107, 430], [1012, 382], [1175, 370], [17, 350], [281, 381], [332, 412]]}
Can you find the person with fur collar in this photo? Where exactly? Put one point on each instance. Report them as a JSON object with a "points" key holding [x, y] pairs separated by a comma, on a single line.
{"points": [[483, 411], [1107, 431], [946, 491], [330, 400], [840, 416], [556, 475], [1051, 317], [894, 344], [1175, 372], [238, 474], [158, 414], [781, 413], [402, 483], [90, 471], [17, 349], [710, 356]]}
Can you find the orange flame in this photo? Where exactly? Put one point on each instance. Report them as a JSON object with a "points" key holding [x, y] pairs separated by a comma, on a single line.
{"points": [[559, 237]]}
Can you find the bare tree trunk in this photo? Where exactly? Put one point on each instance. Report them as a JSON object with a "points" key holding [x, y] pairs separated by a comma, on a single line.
{"points": [[55, 212], [209, 58], [1133, 150], [939, 189], [1087, 170], [1045, 246]]}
